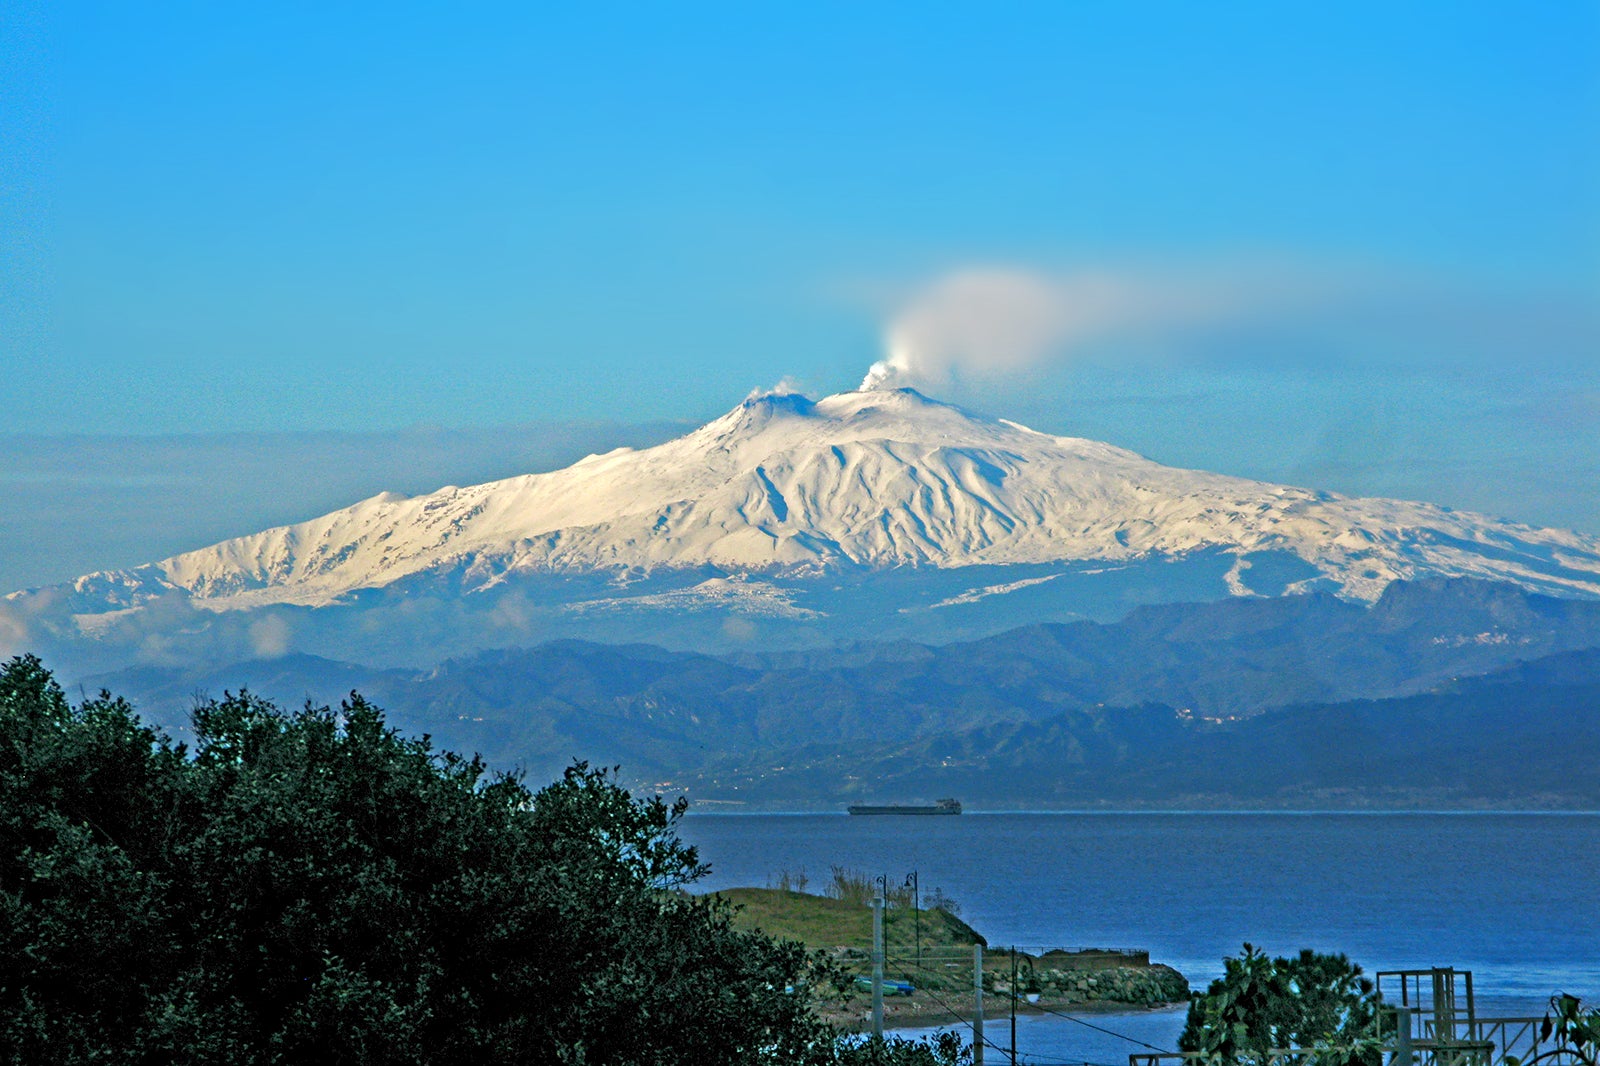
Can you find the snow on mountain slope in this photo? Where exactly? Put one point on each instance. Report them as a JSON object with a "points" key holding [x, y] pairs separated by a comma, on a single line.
{"points": [[882, 478]]}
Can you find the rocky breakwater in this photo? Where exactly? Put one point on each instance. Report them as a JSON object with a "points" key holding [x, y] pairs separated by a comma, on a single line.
{"points": [[1061, 978]]}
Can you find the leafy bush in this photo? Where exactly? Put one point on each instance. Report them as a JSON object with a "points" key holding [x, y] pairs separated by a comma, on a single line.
{"points": [[850, 886], [1576, 1030], [937, 900], [1312, 1001], [942, 1049], [787, 880]]}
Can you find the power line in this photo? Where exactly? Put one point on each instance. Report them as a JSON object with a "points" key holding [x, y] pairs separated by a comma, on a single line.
{"points": [[1103, 1029], [957, 1016], [986, 1041], [1047, 1010]]}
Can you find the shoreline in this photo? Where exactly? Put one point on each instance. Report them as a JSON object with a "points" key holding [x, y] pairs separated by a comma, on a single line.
{"points": [[716, 810], [911, 1015]]}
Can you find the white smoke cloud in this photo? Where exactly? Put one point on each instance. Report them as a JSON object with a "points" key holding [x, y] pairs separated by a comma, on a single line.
{"points": [[786, 386], [983, 322]]}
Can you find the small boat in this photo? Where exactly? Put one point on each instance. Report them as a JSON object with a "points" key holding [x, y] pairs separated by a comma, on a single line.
{"points": [[944, 806], [890, 987]]}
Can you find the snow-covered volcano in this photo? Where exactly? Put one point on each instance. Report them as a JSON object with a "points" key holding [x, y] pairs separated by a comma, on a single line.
{"points": [[877, 479]]}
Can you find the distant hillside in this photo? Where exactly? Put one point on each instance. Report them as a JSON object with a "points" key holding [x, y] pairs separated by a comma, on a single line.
{"points": [[1528, 737], [1117, 699]]}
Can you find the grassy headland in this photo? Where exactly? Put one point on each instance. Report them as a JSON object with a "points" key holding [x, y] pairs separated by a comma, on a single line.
{"points": [[827, 923], [941, 972]]}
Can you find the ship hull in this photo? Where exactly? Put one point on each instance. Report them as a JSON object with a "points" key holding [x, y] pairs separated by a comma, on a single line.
{"points": [[939, 809]]}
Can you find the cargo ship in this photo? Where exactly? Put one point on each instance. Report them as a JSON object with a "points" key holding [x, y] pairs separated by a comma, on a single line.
{"points": [[944, 806]]}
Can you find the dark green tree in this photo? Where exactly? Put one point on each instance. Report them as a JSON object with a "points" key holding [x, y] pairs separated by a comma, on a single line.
{"points": [[89, 800], [1311, 1001], [942, 1049], [314, 887]]}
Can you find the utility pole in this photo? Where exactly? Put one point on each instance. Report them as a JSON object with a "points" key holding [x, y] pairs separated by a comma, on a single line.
{"points": [[877, 966], [916, 910], [977, 1010], [1402, 1037], [1013, 1005]]}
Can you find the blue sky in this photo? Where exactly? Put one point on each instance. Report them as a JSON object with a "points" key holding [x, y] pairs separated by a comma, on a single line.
{"points": [[303, 218]]}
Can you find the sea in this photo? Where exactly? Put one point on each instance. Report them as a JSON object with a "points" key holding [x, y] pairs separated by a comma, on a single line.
{"points": [[1512, 897]]}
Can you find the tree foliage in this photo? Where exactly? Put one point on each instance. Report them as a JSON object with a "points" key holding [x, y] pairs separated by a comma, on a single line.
{"points": [[1576, 1030], [1311, 1001], [313, 887]]}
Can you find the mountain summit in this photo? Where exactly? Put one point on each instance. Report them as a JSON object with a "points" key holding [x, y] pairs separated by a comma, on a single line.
{"points": [[880, 478], [785, 501]]}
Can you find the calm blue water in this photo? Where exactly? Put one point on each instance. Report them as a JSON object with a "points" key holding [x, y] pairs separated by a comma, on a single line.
{"points": [[1513, 897]]}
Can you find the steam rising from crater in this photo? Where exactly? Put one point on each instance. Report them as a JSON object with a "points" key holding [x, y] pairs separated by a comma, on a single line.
{"points": [[983, 320], [976, 324], [987, 322]]}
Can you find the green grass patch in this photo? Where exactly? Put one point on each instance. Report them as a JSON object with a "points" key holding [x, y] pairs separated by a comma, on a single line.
{"points": [[821, 922]]}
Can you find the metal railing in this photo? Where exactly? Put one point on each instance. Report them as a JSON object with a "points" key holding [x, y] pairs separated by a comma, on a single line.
{"points": [[1275, 1057], [1516, 1037]]}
